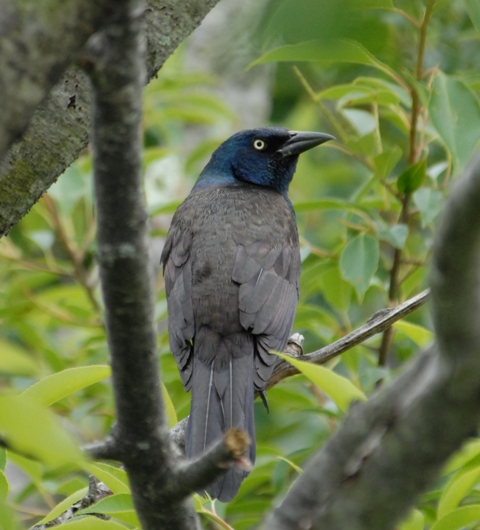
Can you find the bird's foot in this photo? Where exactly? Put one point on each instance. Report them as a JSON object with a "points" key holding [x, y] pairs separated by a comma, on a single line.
{"points": [[295, 345]]}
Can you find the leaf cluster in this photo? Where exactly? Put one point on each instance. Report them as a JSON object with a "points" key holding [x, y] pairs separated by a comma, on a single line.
{"points": [[396, 83]]}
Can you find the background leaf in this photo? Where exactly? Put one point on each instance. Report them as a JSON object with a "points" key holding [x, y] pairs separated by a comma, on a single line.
{"points": [[415, 521], [429, 202], [473, 8], [62, 384], [13, 360], [63, 505], [459, 518], [32, 430], [420, 335], [338, 388], [339, 50], [411, 179], [115, 478], [455, 112], [93, 523], [359, 261]]}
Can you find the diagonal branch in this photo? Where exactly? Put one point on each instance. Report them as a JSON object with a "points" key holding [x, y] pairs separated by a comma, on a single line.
{"points": [[390, 449], [34, 51], [198, 474], [377, 323], [59, 128]]}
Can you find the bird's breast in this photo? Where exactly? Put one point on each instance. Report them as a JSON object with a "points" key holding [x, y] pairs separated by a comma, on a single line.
{"points": [[221, 219]]}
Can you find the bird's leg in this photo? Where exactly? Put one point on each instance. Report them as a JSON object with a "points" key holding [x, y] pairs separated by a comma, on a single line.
{"points": [[294, 345]]}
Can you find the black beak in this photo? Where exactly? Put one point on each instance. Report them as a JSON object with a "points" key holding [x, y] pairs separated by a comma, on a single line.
{"points": [[303, 141]]}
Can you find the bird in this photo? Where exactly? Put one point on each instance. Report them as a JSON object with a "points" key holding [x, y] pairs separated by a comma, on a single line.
{"points": [[231, 263]]}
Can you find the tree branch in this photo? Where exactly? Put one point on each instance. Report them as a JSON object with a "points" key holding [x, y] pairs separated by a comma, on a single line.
{"points": [[390, 449], [59, 128], [380, 321], [198, 474], [96, 492], [34, 51], [140, 437]]}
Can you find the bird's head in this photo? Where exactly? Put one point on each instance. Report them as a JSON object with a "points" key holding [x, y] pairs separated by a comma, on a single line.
{"points": [[267, 157]]}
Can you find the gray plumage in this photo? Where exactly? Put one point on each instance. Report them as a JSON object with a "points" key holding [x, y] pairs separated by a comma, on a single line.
{"points": [[232, 266]]}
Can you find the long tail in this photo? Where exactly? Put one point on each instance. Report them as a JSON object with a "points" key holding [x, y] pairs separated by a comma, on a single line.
{"points": [[222, 397]]}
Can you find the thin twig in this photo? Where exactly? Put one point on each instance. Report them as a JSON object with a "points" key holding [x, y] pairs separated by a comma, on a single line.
{"points": [[413, 156], [380, 321], [75, 257]]}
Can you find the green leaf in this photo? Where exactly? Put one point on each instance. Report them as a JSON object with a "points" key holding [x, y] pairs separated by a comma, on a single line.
{"points": [[421, 336], [121, 502], [316, 318], [4, 487], [119, 506], [170, 409], [64, 505], [116, 479], [57, 386], [455, 113], [338, 388], [382, 84], [3, 458], [470, 450], [68, 189], [336, 291], [457, 488], [336, 51], [355, 94], [298, 469], [7, 518], [218, 521], [93, 523], [415, 521], [366, 145], [340, 91], [170, 207], [311, 278], [473, 8], [32, 430], [387, 160], [459, 518], [372, 4], [429, 202], [31, 468], [412, 178], [359, 262], [329, 204], [154, 153], [414, 281], [396, 235], [365, 124], [14, 360]]}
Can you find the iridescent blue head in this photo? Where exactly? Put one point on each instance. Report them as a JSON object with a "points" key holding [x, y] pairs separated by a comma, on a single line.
{"points": [[265, 157]]}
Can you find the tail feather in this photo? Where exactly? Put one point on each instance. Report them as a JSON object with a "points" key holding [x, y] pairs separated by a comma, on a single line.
{"points": [[222, 398]]}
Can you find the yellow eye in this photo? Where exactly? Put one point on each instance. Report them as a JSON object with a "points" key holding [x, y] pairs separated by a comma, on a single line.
{"points": [[259, 144]]}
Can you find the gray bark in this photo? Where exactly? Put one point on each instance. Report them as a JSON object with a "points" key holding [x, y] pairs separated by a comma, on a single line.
{"points": [[37, 42], [140, 439], [58, 129]]}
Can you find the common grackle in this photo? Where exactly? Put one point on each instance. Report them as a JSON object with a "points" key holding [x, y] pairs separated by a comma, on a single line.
{"points": [[232, 265]]}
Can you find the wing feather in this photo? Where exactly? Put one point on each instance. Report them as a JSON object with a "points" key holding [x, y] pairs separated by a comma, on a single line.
{"points": [[177, 268], [268, 274]]}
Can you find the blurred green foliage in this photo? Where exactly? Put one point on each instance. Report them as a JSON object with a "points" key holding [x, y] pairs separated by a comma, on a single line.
{"points": [[397, 82]]}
